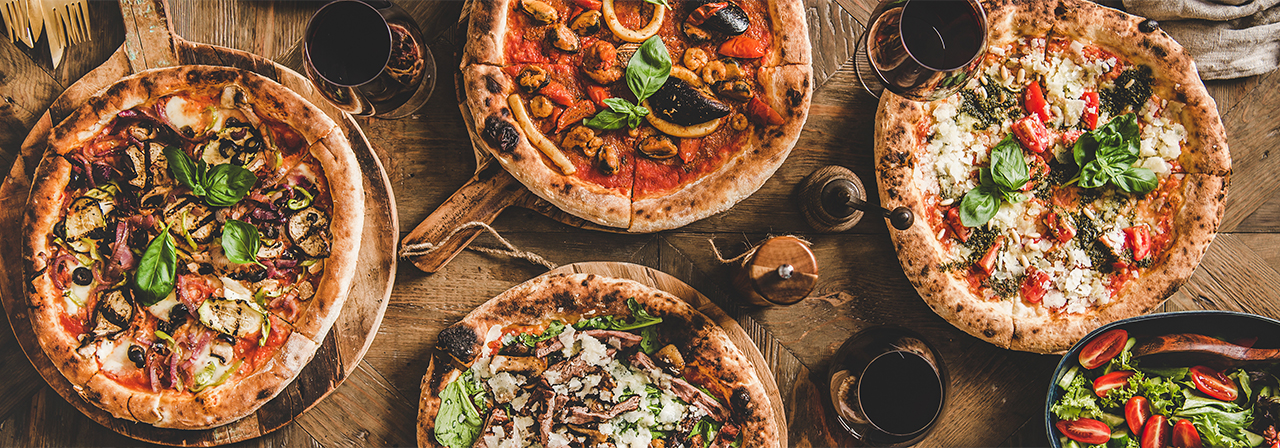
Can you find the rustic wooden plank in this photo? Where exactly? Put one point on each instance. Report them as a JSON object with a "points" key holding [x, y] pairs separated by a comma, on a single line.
{"points": [[276, 26], [21, 379], [1228, 93], [1231, 277], [1252, 128], [25, 91], [364, 411], [1264, 219], [833, 33], [148, 34], [1264, 245]]}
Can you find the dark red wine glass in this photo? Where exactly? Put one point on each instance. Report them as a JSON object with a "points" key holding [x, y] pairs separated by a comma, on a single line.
{"points": [[888, 386], [367, 57], [922, 50]]}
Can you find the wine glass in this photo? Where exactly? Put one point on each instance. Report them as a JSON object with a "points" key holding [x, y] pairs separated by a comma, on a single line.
{"points": [[368, 58], [922, 50], [888, 386]]}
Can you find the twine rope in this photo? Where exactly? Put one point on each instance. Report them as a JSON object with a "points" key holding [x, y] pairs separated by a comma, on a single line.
{"points": [[750, 252], [419, 249]]}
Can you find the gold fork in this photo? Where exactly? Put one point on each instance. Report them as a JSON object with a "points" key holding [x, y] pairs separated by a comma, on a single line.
{"points": [[17, 20]]}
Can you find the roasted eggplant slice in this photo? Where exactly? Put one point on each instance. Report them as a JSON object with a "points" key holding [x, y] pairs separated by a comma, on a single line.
{"points": [[235, 318], [136, 165], [679, 103], [721, 17], [115, 310], [188, 214], [158, 166], [309, 231], [84, 220]]}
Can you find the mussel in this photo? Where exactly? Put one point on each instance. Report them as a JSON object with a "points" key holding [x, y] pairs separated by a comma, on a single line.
{"points": [[679, 103], [720, 17], [658, 146]]}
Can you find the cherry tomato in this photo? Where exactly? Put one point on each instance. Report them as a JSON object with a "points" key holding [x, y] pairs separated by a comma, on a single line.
{"points": [[1185, 435], [1136, 412], [988, 261], [1155, 434], [1085, 430], [1090, 115], [1101, 349], [1114, 380], [575, 114], [1034, 285], [1063, 231], [958, 229], [588, 4], [1139, 239], [1069, 137], [762, 113], [743, 47], [1213, 383], [1035, 103], [1031, 132]]}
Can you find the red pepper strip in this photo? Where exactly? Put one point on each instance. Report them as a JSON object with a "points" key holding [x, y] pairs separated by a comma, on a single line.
{"points": [[704, 12], [598, 94], [762, 113], [743, 47], [557, 93]]}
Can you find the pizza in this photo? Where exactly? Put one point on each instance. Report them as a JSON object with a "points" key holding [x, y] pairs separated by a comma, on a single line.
{"points": [[643, 115], [585, 360], [189, 240], [1076, 179]]}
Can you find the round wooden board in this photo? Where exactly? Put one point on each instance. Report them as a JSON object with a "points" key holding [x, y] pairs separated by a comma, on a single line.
{"points": [[345, 344], [663, 281]]}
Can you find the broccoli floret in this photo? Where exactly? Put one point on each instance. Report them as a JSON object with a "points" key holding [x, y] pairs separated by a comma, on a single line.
{"points": [[1001, 103], [1132, 89]]}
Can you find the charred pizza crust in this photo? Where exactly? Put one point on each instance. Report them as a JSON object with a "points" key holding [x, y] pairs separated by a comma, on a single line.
{"points": [[786, 76], [230, 401], [558, 296], [1205, 159]]}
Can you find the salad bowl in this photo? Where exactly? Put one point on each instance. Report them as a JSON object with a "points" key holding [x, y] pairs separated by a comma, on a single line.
{"points": [[1226, 325]]}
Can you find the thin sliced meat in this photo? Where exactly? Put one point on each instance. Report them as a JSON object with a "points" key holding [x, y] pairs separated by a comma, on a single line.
{"points": [[625, 339], [497, 418], [548, 347], [727, 435], [691, 394], [579, 415], [642, 361]]}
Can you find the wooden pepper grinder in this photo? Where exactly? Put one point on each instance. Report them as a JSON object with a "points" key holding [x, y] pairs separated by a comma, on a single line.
{"points": [[833, 199], [782, 271]]}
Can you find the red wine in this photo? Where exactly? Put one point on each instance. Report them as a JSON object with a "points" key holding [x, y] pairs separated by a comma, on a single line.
{"points": [[348, 43], [941, 34], [924, 49], [900, 392]]}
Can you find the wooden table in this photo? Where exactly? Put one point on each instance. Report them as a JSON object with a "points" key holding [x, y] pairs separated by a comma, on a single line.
{"points": [[996, 396]]}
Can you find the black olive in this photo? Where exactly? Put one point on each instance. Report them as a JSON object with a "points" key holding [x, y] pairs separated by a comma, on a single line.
{"points": [[138, 356], [1148, 26], [227, 338], [205, 269], [164, 327], [60, 230], [178, 313], [100, 233], [82, 276], [256, 275]]}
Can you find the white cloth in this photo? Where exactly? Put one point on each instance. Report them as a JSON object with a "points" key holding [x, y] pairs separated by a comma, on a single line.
{"points": [[1227, 38]]}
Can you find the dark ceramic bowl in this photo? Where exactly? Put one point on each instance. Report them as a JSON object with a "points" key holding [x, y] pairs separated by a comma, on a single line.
{"points": [[1226, 324]]}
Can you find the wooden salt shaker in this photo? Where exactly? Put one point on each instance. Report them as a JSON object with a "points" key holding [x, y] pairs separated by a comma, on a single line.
{"points": [[782, 271]]}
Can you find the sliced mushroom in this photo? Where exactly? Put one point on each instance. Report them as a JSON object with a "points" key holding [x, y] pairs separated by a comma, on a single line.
{"points": [[609, 160], [532, 79], [671, 358], [142, 130], [309, 231], [695, 58], [222, 350], [658, 146], [679, 103], [235, 318], [188, 214], [721, 17], [540, 107], [114, 312], [152, 198], [540, 11], [270, 249], [530, 366], [561, 37], [587, 23], [737, 90]]}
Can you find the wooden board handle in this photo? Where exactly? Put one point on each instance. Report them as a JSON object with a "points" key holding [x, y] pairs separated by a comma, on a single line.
{"points": [[481, 199], [148, 34]]}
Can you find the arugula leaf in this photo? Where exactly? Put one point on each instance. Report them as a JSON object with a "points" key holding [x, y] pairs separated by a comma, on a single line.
{"points": [[649, 340], [554, 329], [640, 319], [1220, 423], [708, 428], [1078, 401], [648, 69], [662, 3], [240, 242], [227, 184], [157, 271], [458, 421]]}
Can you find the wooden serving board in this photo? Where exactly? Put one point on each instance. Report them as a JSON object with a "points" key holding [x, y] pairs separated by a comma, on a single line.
{"points": [[149, 43], [661, 280]]}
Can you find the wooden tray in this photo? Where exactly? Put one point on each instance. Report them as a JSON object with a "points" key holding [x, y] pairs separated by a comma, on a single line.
{"points": [[149, 43], [661, 280]]}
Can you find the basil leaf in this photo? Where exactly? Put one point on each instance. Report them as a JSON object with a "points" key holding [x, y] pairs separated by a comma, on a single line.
{"points": [[240, 242], [458, 421], [1008, 168], [1136, 180], [619, 105], [607, 120], [598, 323], [185, 170], [227, 184], [1013, 197], [157, 270], [977, 207], [648, 69]]}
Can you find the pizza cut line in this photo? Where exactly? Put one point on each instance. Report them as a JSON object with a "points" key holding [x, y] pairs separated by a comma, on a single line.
{"points": [[190, 237], [635, 114], [1076, 179]]}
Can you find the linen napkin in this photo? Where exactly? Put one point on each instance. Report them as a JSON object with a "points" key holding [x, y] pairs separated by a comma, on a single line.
{"points": [[1227, 38]]}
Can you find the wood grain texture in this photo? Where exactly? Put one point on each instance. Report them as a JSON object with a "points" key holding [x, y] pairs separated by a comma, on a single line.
{"points": [[1252, 128]]}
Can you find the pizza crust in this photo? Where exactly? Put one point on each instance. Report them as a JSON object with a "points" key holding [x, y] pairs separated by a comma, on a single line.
{"points": [[1205, 156], [559, 296], [234, 399]]}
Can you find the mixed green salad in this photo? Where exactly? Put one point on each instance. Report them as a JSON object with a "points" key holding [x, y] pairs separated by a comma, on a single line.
{"points": [[1110, 401]]}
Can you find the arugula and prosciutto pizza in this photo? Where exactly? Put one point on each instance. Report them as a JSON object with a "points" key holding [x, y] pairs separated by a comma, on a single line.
{"points": [[1077, 179], [191, 236]]}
